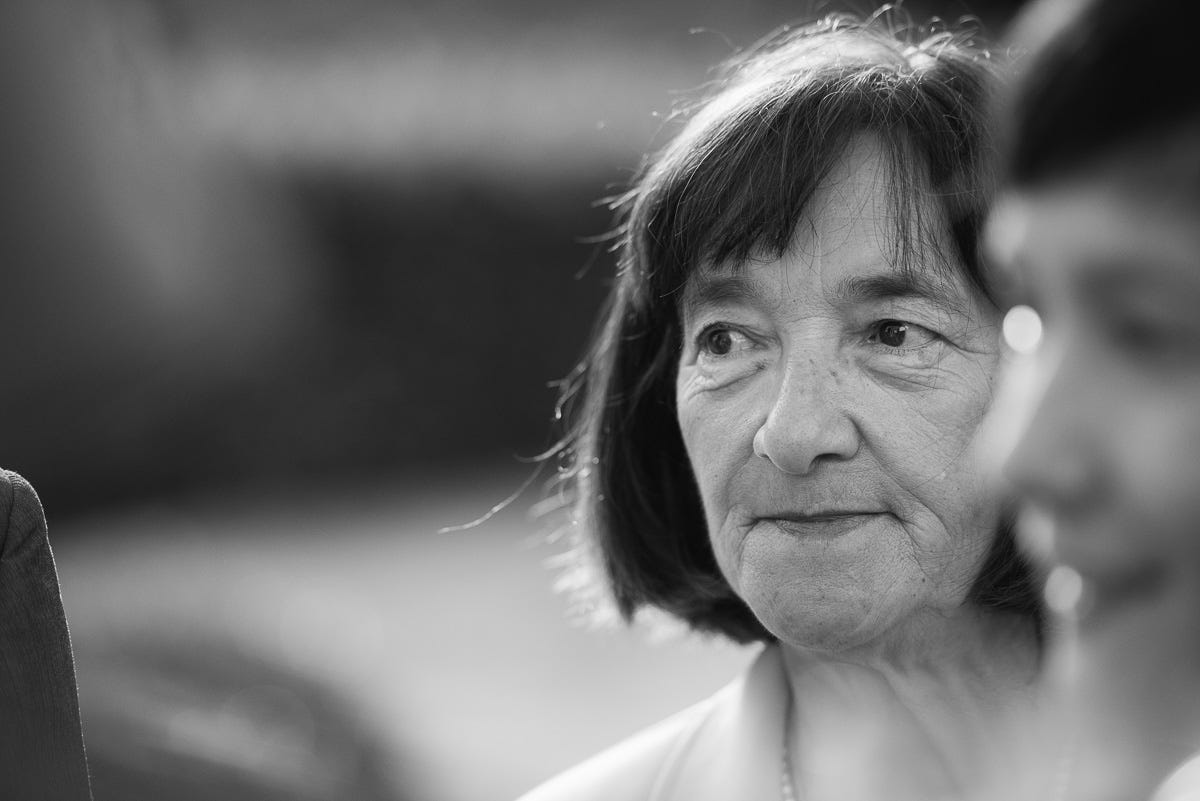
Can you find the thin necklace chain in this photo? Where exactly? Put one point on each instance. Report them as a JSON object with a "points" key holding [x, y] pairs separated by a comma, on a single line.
{"points": [[785, 783]]}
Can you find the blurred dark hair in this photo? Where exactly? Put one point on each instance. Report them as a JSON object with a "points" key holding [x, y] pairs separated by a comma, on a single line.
{"points": [[735, 182], [1101, 79]]}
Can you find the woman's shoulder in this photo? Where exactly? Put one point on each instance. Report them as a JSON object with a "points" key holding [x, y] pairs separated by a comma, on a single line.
{"points": [[631, 769], [1183, 784]]}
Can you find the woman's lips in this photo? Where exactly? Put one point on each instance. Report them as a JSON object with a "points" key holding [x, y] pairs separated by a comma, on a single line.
{"points": [[823, 525]]}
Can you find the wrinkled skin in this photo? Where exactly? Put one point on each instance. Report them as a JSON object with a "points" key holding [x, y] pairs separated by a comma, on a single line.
{"points": [[829, 410]]}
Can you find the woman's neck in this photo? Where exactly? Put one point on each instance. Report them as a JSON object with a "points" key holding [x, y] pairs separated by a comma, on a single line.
{"points": [[1131, 682], [924, 715]]}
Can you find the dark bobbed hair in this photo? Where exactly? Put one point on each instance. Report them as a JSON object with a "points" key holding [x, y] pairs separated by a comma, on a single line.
{"points": [[734, 183], [1100, 80]]}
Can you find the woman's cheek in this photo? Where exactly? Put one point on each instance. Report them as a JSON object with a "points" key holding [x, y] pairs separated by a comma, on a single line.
{"points": [[1158, 464], [957, 389], [925, 429], [690, 388], [703, 416], [716, 375], [686, 385], [716, 425]]}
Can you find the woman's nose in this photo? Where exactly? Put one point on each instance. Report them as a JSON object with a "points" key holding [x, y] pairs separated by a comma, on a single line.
{"points": [[807, 423], [1046, 413]]}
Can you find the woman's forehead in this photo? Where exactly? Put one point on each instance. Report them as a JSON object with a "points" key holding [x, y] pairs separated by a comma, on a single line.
{"points": [[861, 222], [879, 206], [859, 283]]}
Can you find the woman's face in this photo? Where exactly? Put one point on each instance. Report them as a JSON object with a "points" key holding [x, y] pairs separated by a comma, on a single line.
{"points": [[1103, 417], [828, 402]]}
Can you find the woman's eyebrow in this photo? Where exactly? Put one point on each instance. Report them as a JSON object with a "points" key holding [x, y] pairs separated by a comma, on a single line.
{"points": [[714, 290], [1114, 276], [898, 285]]}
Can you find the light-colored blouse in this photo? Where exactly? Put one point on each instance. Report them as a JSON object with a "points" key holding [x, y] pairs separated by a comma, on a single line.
{"points": [[729, 746]]}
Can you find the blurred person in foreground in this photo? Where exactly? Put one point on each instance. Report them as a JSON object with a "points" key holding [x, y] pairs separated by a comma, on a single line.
{"points": [[772, 436], [41, 741], [1101, 232]]}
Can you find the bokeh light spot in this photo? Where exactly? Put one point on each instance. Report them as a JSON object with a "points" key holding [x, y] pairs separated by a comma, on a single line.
{"points": [[1064, 589], [1022, 329]]}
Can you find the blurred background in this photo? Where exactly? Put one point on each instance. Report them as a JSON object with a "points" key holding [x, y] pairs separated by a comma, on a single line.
{"points": [[287, 284]]}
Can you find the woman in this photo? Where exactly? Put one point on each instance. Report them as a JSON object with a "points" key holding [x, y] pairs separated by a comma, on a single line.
{"points": [[1101, 229], [771, 437]]}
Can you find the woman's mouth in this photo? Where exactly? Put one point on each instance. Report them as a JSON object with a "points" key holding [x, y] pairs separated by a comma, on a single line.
{"points": [[826, 524]]}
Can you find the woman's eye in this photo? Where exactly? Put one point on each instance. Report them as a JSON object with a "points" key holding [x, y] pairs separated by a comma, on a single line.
{"points": [[900, 334], [722, 341], [719, 342], [1140, 335]]}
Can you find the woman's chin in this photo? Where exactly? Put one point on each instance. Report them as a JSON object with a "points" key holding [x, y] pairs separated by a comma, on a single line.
{"points": [[821, 626]]}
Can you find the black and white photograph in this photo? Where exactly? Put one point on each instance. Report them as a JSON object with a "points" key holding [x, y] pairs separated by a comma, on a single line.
{"points": [[638, 401]]}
